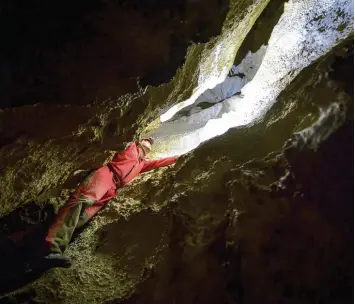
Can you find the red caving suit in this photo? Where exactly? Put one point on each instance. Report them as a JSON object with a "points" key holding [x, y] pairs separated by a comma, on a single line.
{"points": [[96, 191]]}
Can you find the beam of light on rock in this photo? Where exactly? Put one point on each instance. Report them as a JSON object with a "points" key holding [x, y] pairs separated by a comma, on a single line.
{"points": [[306, 31], [204, 84]]}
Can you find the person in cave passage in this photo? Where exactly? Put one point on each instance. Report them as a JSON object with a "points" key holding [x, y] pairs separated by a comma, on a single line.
{"points": [[93, 194]]}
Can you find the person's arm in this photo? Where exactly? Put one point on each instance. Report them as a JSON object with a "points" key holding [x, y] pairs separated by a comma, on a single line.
{"points": [[153, 164]]}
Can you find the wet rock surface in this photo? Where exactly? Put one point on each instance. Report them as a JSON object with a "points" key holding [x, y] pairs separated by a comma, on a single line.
{"points": [[261, 214]]}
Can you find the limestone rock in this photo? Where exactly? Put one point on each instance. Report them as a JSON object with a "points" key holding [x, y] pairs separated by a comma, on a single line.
{"points": [[260, 214]]}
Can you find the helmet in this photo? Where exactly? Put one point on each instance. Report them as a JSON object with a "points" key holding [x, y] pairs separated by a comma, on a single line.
{"points": [[146, 143], [149, 139]]}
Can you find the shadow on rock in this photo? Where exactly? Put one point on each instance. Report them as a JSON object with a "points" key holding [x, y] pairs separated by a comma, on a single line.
{"points": [[21, 235]]}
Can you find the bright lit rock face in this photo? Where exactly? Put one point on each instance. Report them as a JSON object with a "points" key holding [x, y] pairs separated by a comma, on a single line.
{"points": [[261, 214], [306, 31], [182, 133]]}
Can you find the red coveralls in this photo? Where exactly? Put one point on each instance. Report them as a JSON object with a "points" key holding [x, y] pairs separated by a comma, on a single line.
{"points": [[96, 191]]}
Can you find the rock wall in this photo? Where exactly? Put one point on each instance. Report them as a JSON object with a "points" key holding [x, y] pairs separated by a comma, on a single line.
{"points": [[262, 213]]}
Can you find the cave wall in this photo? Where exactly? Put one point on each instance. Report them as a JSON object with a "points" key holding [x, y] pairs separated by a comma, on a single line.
{"points": [[230, 225], [52, 139], [260, 214], [251, 220]]}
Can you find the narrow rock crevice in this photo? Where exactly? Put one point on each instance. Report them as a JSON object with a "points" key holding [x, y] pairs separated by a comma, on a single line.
{"points": [[258, 209]]}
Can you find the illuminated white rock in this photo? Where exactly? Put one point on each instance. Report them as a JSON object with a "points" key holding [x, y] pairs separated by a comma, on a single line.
{"points": [[306, 31]]}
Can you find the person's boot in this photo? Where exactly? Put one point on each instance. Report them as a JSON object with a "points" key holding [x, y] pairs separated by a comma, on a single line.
{"points": [[53, 260]]}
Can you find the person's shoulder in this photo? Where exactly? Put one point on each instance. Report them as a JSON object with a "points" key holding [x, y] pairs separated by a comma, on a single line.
{"points": [[131, 144], [123, 146]]}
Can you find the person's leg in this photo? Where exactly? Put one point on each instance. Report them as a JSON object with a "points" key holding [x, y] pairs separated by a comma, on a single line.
{"points": [[90, 192], [90, 211]]}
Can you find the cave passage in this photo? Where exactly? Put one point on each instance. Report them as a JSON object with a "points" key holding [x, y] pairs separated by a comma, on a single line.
{"points": [[306, 31]]}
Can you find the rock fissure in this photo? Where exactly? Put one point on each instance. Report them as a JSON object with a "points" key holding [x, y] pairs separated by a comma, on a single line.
{"points": [[260, 208]]}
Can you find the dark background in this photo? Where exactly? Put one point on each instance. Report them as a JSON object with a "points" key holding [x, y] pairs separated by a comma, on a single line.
{"points": [[77, 52]]}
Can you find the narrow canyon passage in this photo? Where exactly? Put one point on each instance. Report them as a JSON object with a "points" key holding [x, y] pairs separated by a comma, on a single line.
{"points": [[255, 96], [305, 32]]}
